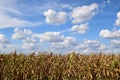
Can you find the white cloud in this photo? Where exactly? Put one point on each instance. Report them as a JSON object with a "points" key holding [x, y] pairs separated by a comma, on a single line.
{"points": [[55, 18], [9, 6], [9, 14], [10, 10], [19, 34], [29, 43], [53, 6], [27, 32], [70, 41], [108, 1], [50, 37], [92, 43], [7, 21], [89, 46], [3, 39], [26, 36], [8, 48], [66, 46], [3, 42], [66, 6], [80, 29], [83, 13], [57, 38], [117, 23], [7, 2], [109, 34], [115, 43], [22, 32], [59, 43], [102, 47], [81, 47]]}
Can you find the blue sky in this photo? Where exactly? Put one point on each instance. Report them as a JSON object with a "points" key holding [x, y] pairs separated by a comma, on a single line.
{"points": [[60, 26]]}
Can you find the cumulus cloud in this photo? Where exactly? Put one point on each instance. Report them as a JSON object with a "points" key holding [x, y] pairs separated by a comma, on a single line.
{"points": [[92, 43], [21, 34], [91, 46], [50, 37], [55, 18], [67, 45], [95, 45], [102, 47], [109, 34], [83, 13], [29, 43], [115, 43], [3, 39], [18, 34], [80, 29], [70, 41], [26, 36], [117, 23], [3, 42], [71, 44], [57, 38], [59, 43], [30, 39]]}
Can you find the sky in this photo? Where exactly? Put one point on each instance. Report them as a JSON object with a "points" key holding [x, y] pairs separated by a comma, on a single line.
{"points": [[60, 26]]}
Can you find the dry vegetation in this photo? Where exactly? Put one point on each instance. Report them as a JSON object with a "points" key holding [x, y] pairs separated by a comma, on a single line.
{"points": [[59, 67]]}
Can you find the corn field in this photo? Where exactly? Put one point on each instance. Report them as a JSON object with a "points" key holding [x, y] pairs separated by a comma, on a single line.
{"points": [[59, 67]]}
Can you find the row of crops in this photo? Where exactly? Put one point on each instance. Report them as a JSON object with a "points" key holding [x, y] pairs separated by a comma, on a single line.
{"points": [[59, 67]]}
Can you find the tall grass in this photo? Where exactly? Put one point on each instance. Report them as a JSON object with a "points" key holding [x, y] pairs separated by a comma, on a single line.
{"points": [[59, 67]]}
